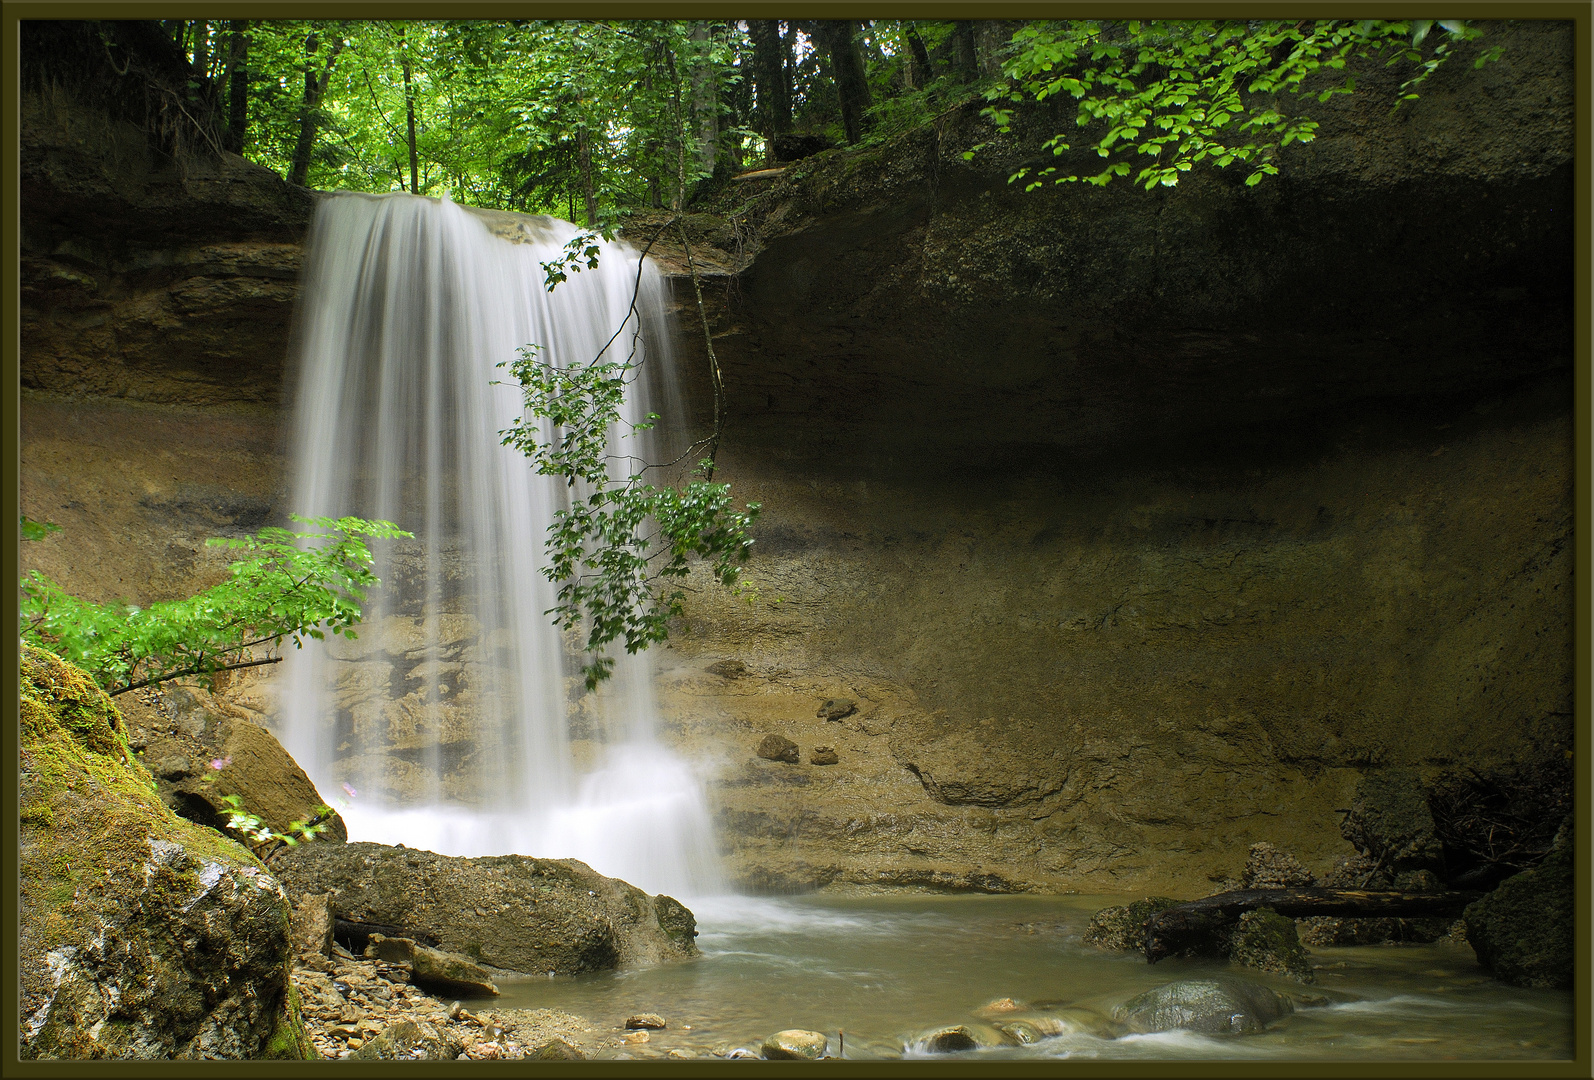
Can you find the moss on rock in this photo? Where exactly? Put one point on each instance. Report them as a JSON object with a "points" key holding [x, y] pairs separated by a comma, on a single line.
{"points": [[142, 935]]}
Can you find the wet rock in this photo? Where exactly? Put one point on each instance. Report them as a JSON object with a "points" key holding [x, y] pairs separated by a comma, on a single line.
{"points": [[204, 755], [951, 1040], [999, 1007], [837, 708], [409, 1040], [1208, 1006], [1390, 822], [728, 669], [445, 972], [557, 1050], [142, 935], [1266, 867], [823, 755], [794, 1043], [311, 925], [778, 748], [1268, 941], [650, 1021], [1523, 931], [1124, 927], [542, 914]]}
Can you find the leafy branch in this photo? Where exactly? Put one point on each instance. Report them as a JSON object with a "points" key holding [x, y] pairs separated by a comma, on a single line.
{"points": [[292, 585], [1184, 92]]}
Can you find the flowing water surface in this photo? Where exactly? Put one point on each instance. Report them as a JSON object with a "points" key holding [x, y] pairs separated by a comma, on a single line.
{"points": [[874, 973]]}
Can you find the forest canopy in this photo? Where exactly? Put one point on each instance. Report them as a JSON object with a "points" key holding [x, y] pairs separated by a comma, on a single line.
{"points": [[586, 118]]}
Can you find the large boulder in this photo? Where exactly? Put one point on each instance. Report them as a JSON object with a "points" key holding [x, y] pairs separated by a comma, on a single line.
{"points": [[510, 912], [1523, 932], [1390, 822], [142, 935], [1124, 927], [200, 756], [1209, 1006]]}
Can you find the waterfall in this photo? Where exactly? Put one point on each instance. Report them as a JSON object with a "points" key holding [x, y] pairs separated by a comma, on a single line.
{"points": [[447, 724]]}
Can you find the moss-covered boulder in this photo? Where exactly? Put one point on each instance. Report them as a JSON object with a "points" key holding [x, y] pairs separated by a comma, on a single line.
{"points": [[1267, 941], [1124, 927], [509, 912], [1523, 931], [1220, 1006], [142, 935]]}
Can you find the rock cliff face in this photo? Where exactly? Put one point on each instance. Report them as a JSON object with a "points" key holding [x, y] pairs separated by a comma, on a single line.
{"points": [[142, 935], [1139, 526]]}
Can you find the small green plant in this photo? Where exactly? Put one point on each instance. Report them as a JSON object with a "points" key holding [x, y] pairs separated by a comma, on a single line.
{"points": [[292, 586], [37, 530], [261, 838]]}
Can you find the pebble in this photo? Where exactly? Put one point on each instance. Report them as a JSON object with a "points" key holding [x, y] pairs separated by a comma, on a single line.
{"points": [[651, 1021], [348, 1005]]}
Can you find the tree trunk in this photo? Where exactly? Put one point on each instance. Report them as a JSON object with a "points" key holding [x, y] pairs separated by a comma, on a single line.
{"points": [[769, 70], [965, 58], [314, 86], [409, 112], [584, 162], [705, 100], [990, 36], [201, 67], [237, 84], [1169, 928], [846, 69], [921, 57]]}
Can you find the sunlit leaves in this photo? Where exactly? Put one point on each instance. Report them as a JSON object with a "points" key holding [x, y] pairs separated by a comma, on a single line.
{"points": [[289, 586], [1185, 92]]}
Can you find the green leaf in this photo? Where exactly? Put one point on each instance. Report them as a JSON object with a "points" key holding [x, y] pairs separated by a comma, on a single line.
{"points": [[37, 530]]}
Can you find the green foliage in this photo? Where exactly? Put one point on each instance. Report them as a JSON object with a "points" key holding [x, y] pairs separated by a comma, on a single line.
{"points": [[620, 549], [291, 586], [1173, 94], [37, 530], [262, 838]]}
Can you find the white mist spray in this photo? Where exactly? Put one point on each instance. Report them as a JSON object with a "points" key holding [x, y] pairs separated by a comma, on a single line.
{"points": [[446, 723]]}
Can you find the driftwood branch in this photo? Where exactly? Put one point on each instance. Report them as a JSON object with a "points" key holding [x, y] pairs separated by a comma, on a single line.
{"points": [[1169, 929]]}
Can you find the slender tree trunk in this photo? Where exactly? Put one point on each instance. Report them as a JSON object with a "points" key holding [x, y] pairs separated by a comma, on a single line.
{"points": [[769, 70], [584, 162], [201, 66], [846, 69], [705, 99], [409, 111], [237, 84], [314, 86], [920, 66], [965, 59]]}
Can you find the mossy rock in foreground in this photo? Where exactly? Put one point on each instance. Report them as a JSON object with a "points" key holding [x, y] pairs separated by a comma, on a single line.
{"points": [[1524, 931], [142, 935]]}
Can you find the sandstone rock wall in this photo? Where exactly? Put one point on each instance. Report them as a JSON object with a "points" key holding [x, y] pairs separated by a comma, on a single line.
{"points": [[1139, 525]]}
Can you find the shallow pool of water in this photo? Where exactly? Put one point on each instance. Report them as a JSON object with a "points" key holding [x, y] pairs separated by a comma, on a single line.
{"points": [[873, 973]]}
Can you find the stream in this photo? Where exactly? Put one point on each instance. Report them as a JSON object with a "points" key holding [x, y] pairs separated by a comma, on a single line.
{"points": [[876, 972]]}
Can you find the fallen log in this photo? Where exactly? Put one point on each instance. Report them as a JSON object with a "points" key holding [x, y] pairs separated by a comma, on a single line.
{"points": [[1170, 930]]}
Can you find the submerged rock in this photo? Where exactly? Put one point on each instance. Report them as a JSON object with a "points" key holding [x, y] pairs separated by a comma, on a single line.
{"points": [[557, 1050], [1220, 1006], [1267, 941], [1124, 927], [999, 1007], [779, 748], [538, 915], [795, 1043], [142, 935], [950, 1040], [1523, 932]]}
